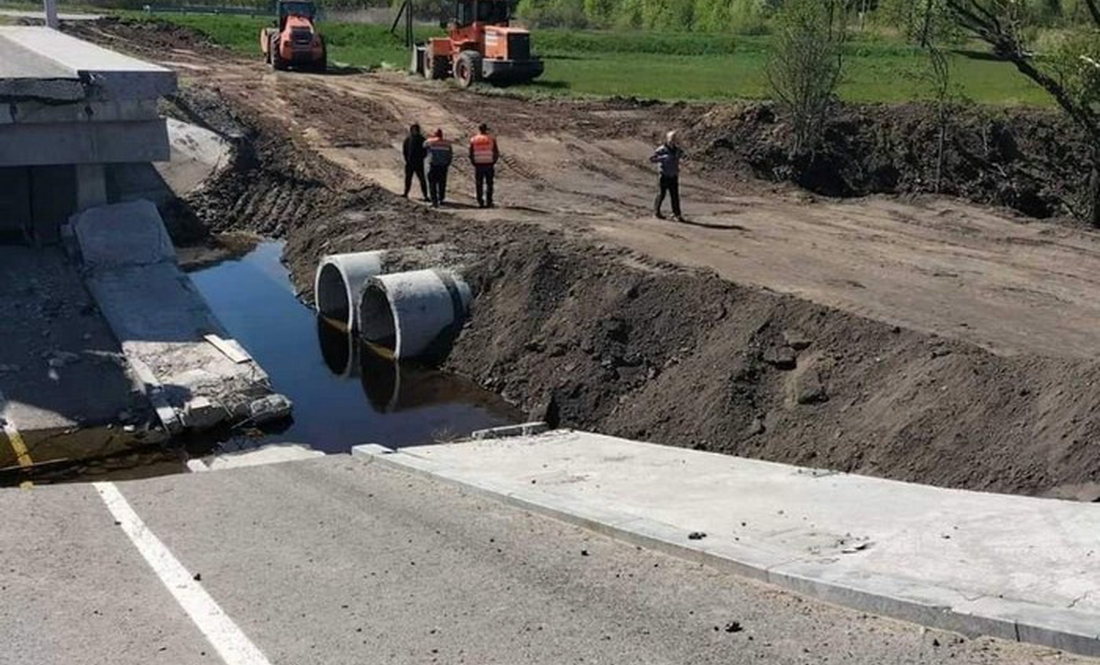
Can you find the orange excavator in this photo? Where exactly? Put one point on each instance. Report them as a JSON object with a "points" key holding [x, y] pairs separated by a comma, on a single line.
{"points": [[480, 45], [295, 41]]}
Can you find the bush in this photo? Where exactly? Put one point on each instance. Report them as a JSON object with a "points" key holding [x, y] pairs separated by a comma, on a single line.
{"points": [[806, 65]]}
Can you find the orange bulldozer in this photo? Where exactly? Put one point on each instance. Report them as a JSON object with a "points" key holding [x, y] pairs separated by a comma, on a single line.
{"points": [[295, 42], [480, 45]]}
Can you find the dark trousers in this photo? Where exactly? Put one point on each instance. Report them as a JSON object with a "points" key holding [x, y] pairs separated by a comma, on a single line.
{"points": [[483, 180], [437, 184], [415, 169], [669, 185]]}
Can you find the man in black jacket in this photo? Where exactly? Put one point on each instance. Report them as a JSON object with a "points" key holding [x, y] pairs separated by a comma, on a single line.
{"points": [[414, 152]]}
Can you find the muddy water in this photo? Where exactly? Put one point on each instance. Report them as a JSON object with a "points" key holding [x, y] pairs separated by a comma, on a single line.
{"points": [[344, 393]]}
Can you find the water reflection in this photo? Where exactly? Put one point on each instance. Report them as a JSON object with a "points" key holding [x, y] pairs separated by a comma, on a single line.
{"points": [[391, 386]]}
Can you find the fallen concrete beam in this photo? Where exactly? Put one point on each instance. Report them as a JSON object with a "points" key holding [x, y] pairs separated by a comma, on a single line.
{"points": [[162, 322]]}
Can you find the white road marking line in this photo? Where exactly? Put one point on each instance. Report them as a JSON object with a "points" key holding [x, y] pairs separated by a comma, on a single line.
{"points": [[224, 635]]}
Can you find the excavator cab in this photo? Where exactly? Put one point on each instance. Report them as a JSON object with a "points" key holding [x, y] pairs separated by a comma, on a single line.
{"points": [[480, 45], [489, 12], [306, 10]]}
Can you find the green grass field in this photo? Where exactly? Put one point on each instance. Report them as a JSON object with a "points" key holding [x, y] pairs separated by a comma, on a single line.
{"points": [[669, 66]]}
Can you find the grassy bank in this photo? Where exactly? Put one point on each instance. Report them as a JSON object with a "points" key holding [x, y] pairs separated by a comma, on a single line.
{"points": [[670, 66]]}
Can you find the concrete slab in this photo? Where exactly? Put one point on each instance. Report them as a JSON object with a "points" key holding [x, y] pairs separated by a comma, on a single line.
{"points": [[275, 453], [161, 320], [197, 155], [1009, 566], [104, 73], [125, 234]]}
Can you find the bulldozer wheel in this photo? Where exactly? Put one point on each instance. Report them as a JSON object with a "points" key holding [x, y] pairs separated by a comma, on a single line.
{"points": [[276, 61], [321, 66], [438, 69], [468, 68]]}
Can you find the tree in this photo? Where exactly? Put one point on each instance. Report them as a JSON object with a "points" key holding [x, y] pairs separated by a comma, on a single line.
{"points": [[805, 67], [1069, 72]]}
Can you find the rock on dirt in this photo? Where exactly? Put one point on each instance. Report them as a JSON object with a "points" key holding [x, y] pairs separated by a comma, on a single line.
{"points": [[1030, 160]]}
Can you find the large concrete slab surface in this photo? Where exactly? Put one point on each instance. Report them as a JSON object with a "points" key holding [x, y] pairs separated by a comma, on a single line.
{"points": [[339, 560], [1014, 567]]}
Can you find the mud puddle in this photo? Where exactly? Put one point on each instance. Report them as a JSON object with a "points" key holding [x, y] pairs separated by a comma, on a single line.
{"points": [[344, 393], [88, 455]]}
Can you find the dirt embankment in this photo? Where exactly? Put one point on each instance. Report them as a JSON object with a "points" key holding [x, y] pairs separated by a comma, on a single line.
{"points": [[600, 339], [1032, 161]]}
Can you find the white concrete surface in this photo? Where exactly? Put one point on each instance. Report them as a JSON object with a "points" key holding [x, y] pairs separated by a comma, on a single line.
{"points": [[197, 154], [275, 453], [162, 321], [1008, 566]]}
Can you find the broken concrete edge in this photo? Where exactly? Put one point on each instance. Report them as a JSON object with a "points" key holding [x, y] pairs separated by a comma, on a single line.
{"points": [[272, 453], [508, 431], [936, 607]]}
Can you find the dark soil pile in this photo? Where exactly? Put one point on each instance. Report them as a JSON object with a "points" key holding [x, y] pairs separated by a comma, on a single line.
{"points": [[600, 339], [1032, 161]]}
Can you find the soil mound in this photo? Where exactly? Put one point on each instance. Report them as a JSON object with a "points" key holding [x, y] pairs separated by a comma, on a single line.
{"points": [[1028, 160]]}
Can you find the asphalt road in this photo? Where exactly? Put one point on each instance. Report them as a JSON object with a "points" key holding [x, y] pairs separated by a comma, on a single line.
{"points": [[336, 560]]}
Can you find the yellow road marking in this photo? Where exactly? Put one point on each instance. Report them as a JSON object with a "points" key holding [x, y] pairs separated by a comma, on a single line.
{"points": [[20, 448], [22, 455]]}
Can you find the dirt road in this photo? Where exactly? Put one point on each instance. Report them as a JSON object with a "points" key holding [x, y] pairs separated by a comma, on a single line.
{"points": [[940, 266]]}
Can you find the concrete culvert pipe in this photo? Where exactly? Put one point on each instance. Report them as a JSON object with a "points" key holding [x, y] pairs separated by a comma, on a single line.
{"points": [[338, 282], [417, 314]]}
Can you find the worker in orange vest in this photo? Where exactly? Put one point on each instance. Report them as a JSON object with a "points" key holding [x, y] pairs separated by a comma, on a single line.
{"points": [[438, 152], [484, 155]]}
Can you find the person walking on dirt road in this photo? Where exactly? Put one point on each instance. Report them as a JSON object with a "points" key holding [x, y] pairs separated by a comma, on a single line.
{"points": [[484, 155], [414, 152], [667, 157], [439, 161]]}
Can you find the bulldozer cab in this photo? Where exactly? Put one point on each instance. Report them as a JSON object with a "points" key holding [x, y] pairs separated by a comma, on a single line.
{"points": [[295, 8], [492, 12]]}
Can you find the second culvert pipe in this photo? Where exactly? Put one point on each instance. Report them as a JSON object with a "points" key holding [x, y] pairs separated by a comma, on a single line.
{"points": [[417, 314]]}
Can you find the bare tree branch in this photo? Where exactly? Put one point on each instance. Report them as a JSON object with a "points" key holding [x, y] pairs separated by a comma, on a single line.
{"points": [[1094, 9]]}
